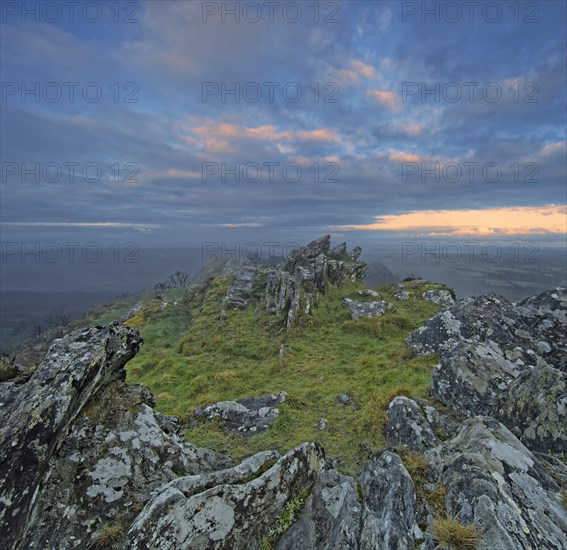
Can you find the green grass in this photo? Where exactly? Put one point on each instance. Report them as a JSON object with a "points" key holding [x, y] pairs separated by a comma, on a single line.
{"points": [[195, 358]]}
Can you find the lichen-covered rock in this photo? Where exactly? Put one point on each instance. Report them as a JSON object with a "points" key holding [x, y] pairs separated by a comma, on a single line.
{"points": [[535, 408], [366, 309], [377, 511], [248, 416], [388, 517], [82, 450], [476, 378], [504, 360], [331, 518], [494, 482], [37, 415], [440, 297], [368, 292], [402, 293], [314, 265], [238, 294], [408, 427], [229, 515], [535, 326]]}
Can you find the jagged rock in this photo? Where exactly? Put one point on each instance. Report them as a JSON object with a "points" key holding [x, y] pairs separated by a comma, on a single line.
{"points": [[495, 482], [440, 297], [356, 252], [402, 294], [300, 257], [536, 326], [487, 369], [331, 517], [378, 514], [238, 294], [230, 514], [408, 427], [314, 265], [388, 518], [179, 279], [366, 309], [444, 424], [248, 416], [339, 252], [535, 408], [79, 448], [368, 292]]}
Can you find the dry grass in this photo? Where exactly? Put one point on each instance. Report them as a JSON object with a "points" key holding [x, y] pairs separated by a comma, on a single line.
{"points": [[451, 534]]}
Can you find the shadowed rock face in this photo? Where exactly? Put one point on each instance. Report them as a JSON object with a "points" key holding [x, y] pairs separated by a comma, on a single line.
{"points": [[37, 415], [79, 448]]}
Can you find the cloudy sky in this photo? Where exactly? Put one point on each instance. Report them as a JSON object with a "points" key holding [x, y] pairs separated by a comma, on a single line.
{"points": [[174, 122]]}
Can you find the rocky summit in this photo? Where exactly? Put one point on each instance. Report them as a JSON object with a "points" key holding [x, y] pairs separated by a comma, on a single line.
{"points": [[88, 462]]}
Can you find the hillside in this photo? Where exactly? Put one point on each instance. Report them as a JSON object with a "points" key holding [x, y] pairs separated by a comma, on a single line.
{"points": [[293, 407]]}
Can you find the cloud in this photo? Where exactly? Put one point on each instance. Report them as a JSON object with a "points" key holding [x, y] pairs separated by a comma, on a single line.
{"points": [[401, 156], [388, 99], [549, 219]]}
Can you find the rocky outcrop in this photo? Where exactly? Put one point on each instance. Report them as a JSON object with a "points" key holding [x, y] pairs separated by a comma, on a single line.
{"points": [[492, 481], [248, 416], [408, 427], [82, 450], [440, 297], [375, 511], [402, 293], [366, 309], [238, 294], [291, 286], [504, 360], [229, 514]]}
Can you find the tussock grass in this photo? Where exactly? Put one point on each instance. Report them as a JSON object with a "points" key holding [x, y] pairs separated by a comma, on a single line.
{"points": [[451, 534]]}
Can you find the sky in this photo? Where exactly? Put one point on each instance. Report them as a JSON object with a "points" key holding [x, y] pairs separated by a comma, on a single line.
{"points": [[170, 123]]}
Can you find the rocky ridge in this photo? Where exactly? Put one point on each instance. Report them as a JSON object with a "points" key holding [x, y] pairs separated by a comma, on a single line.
{"points": [[85, 460]]}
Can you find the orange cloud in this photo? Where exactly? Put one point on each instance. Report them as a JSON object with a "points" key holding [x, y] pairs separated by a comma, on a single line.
{"points": [[388, 99], [362, 68], [401, 156], [523, 220], [223, 131]]}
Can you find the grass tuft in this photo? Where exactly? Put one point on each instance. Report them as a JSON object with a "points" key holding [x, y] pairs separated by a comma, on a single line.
{"points": [[451, 534]]}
